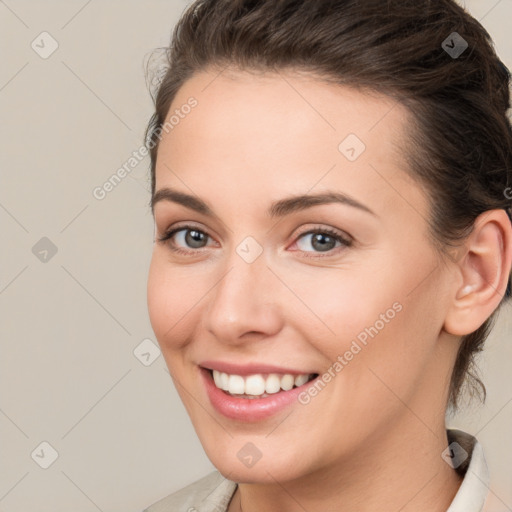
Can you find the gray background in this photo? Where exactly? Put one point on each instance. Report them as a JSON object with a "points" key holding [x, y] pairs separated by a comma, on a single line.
{"points": [[71, 370]]}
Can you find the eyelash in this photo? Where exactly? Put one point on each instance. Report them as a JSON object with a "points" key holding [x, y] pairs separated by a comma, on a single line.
{"points": [[328, 231]]}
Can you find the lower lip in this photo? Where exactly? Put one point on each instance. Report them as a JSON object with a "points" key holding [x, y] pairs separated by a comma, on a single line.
{"points": [[249, 409]]}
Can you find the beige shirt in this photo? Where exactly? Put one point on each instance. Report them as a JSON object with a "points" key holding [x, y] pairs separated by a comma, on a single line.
{"points": [[214, 492]]}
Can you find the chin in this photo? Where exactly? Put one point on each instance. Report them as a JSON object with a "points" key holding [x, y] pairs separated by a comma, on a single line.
{"points": [[265, 470]]}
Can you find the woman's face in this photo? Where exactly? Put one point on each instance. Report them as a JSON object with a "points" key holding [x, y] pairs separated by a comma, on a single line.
{"points": [[254, 295]]}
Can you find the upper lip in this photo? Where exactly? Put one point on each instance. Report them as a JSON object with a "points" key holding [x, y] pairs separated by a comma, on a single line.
{"points": [[250, 368]]}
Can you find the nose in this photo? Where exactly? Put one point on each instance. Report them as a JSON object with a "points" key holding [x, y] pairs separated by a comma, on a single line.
{"points": [[244, 305]]}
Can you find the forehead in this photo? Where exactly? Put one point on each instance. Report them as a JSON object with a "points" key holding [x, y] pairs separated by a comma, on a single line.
{"points": [[304, 103], [260, 132]]}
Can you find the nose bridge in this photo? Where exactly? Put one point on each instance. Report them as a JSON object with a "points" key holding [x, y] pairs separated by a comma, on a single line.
{"points": [[246, 270], [242, 300]]}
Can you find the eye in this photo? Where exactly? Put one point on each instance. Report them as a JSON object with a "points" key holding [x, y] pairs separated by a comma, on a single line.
{"points": [[322, 240], [186, 235]]}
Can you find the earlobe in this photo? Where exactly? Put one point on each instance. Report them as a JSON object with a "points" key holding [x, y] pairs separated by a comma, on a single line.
{"points": [[485, 270]]}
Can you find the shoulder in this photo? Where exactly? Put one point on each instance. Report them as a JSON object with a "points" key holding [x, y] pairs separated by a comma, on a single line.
{"points": [[211, 493]]}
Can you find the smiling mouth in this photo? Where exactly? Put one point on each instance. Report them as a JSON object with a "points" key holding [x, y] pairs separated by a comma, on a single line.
{"points": [[258, 385]]}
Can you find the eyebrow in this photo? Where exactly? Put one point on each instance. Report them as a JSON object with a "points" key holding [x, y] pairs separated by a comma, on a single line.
{"points": [[279, 208]]}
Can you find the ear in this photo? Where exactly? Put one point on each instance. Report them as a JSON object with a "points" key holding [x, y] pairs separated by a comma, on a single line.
{"points": [[484, 270]]}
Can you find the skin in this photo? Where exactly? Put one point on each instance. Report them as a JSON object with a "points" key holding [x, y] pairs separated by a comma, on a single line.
{"points": [[372, 438]]}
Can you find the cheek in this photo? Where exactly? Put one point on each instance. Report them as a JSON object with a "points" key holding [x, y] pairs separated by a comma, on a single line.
{"points": [[157, 297], [393, 344], [343, 306], [170, 297], [373, 319]]}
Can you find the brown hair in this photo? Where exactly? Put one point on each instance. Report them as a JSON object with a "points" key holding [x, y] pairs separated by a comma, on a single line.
{"points": [[460, 143]]}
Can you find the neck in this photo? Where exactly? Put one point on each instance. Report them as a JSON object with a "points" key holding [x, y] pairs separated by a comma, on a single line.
{"points": [[393, 471]]}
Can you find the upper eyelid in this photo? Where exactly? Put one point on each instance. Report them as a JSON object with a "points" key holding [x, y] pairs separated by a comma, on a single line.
{"points": [[317, 226]]}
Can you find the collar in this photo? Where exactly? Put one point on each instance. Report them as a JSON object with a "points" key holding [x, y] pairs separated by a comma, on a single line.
{"points": [[474, 488]]}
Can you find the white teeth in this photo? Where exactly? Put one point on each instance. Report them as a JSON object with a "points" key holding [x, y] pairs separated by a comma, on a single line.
{"points": [[257, 384], [217, 379], [273, 383], [224, 381], [236, 385], [254, 385], [287, 381], [301, 379]]}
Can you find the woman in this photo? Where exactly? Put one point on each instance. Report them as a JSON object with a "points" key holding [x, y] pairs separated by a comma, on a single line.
{"points": [[331, 193]]}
